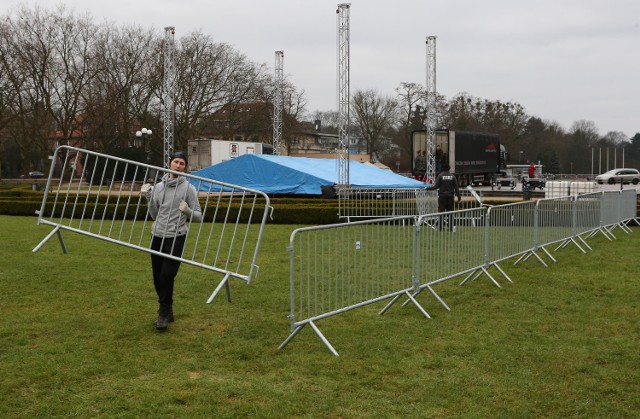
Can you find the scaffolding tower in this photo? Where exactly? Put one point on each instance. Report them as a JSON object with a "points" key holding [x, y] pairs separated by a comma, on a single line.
{"points": [[430, 108], [168, 93], [277, 102], [343, 95]]}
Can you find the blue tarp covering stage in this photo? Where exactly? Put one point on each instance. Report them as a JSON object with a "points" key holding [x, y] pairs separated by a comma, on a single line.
{"points": [[298, 175]]}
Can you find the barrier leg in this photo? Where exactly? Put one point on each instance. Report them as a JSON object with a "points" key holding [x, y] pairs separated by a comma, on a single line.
{"points": [[570, 240], [316, 330], [225, 282], [584, 243], [491, 278], [624, 227], [418, 305], [479, 272], [410, 298], [469, 277], [291, 336], [502, 272], [56, 230], [632, 220], [392, 302], [322, 338], [437, 297], [524, 256], [549, 255], [528, 255]]}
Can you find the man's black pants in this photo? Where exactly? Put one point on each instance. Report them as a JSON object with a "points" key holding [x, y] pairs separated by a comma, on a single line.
{"points": [[165, 270], [445, 203]]}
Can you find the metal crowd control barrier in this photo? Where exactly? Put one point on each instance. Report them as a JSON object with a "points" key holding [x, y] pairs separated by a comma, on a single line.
{"points": [[341, 267], [628, 208], [98, 195], [556, 223], [368, 203], [510, 232], [616, 211], [361, 203], [586, 216], [334, 269], [621, 208], [450, 244]]}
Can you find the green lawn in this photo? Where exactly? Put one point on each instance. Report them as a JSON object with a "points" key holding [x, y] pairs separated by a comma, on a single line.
{"points": [[77, 339]]}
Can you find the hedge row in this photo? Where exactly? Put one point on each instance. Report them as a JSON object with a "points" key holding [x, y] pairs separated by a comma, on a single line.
{"points": [[308, 211]]}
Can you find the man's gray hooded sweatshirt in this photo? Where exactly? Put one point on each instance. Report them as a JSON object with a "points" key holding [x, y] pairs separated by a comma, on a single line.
{"points": [[164, 207]]}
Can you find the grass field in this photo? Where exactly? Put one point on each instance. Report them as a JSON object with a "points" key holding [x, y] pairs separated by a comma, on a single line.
{"points": [[77, 340]]}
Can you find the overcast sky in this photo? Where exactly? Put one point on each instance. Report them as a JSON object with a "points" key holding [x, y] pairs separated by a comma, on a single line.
{"points": [[562, 60]]}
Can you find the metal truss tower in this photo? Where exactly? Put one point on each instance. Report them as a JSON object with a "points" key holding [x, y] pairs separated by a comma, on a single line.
{"points": [[343, 95], [430, 175], [277, 103], [168, 92]]}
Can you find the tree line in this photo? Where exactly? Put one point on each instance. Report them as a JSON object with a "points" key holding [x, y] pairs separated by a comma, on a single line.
{"points": [[64, 77], [382, 120]]}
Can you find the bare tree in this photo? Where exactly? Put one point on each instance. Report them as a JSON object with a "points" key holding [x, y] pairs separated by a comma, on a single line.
{"points": [[328, 120], [411, 97], [124, 95], [27, 58], [294, 100], [585, 131], [211, 76], [294, 103], [374, 115], [49, 58], [616, 138]]}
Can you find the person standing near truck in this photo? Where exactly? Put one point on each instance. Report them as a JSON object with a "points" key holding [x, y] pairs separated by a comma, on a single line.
{"points": [[447, 186], [532, 171]]}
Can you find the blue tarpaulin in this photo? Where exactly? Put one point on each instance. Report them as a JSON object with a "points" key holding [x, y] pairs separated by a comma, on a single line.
{"points": [[298, 175]]}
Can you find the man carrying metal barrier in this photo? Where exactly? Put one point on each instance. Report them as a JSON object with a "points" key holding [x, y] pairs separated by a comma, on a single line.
{"points": [[171, 203], [447, 186]]}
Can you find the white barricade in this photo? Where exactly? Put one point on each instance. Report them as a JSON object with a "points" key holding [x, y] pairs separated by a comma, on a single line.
{"points": [[339, 268], [450, 244], [510, 232], [610, 212], [587, 215], [98, 195], [629, 205], [579, 188], [557, 189], [369, 203], [556, 222]]}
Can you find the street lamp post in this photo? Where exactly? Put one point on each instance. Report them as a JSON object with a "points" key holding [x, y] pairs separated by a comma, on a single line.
{"points": [[145, 133]]}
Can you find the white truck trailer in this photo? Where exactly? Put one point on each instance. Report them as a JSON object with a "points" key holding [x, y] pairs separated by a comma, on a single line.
{"points": [[205, 152]]}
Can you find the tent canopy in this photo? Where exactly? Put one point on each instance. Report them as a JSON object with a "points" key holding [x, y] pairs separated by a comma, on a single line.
{"points": [[298, 175]]}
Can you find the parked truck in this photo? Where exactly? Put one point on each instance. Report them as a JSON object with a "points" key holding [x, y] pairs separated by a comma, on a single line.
{"points": [[205, 152], [475, 158]]}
